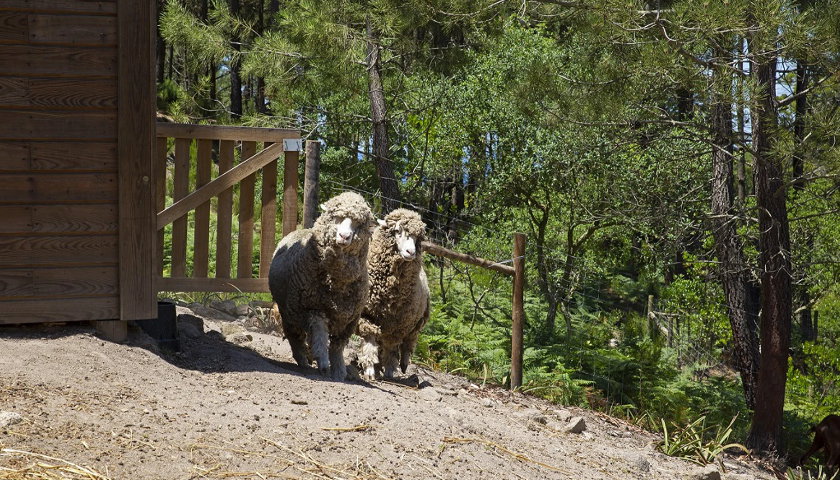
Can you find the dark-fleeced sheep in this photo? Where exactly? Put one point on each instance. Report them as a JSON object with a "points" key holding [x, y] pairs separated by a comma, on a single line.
{"points": [[398, 306], [319, 279]]}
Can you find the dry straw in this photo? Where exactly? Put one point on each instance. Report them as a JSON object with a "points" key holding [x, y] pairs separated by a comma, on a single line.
{"points": [[46, 467]]}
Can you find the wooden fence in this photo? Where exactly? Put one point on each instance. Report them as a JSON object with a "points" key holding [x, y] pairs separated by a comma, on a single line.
{"points": [[259, 151], [517, 271]]}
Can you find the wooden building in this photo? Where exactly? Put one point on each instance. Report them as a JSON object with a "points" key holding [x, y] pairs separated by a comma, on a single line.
{"points": [[77, 131]]}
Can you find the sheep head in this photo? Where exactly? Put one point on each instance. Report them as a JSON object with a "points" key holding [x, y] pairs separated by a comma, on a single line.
{"points": [[346, 220], [407, 229]]}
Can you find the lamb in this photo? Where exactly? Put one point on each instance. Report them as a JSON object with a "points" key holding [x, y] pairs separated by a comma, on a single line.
{"points": [[319, 279], [826, 435], [398, 306]]}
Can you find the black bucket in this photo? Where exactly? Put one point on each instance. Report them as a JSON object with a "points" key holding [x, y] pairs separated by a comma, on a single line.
{"points": [[163, 329]]}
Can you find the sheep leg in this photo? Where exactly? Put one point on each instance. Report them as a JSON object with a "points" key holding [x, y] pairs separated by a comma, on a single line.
{"points": [[297, 341], [319, 339], [390, 360], [369, 357], [337, 345], [406, 350]]}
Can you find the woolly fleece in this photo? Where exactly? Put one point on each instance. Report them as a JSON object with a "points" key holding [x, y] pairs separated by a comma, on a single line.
{"points": [[398, 306], [321, 287]]}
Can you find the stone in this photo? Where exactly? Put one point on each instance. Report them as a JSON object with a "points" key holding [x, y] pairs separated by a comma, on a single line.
{"points": [[576, 425], [210, 312], [226, 306], [239, 338], [430, 394], [230, 329], [563, 415], [243, 310], [487, 402], [709, 472], [642, 464], [9, 418], [190, 319]]}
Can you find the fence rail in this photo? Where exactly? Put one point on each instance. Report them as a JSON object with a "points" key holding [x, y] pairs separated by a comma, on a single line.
{"points": [[257, 151], [517, 271]]}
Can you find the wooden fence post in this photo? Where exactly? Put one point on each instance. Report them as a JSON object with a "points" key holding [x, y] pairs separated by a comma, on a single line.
{"points": [[310, 182], [290, 185], [518, 316], [650, 321]]}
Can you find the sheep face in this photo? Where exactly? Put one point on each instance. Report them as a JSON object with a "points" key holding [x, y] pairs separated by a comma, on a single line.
{"points": [[345, 221], [346, 231], [406, 243]]}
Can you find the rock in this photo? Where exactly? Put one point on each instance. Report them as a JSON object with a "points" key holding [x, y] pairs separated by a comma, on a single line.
{"points": [[226, 306], [576, 425], [9, 418], [239, 338], [642, 464], [709, 472], [189, 319], [189, 330], [563, 415], [230, 329], [487, 402], [209, 312], [538, 418], [430, 394], [243, 310]]}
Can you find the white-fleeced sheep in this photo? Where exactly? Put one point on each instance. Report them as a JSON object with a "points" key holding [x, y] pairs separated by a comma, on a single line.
{"points": [[319, 279], [398, 306]]}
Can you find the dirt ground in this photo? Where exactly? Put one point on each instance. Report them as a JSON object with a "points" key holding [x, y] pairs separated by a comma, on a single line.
{"points": [[231, 404]]}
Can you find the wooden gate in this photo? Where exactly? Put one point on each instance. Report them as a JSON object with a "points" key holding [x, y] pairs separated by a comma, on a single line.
{"points": [[224, 190]]}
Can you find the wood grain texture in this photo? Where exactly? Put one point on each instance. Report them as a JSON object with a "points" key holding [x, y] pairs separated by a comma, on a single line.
{"points": [[136, 137], [268, 217], [224, 220], [311, 178], [58, 188], [181, 188], [45, 29], [201, 236], [58, 125], [219, 184], [58, 61], [58, 93], [213, 284], [160, 196], [218, 132], [437, 250], [74, 156], [245, 245], [59, 310], [64, 219], [26, 251], [61, 6], [57, 282], [290, 192]]}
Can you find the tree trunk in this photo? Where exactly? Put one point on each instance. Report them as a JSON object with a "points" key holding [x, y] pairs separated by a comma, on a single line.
{"points": [[733, 265], [774, 256], [160, 46], [802, 79], [391, 198], [235, 78]]}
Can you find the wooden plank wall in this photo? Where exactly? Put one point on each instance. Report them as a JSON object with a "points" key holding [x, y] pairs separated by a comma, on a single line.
{"points": [[59, 233]]}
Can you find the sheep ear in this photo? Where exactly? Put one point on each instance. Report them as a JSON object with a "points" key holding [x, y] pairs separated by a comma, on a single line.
{"points": [[382, 223], [323, 207]]}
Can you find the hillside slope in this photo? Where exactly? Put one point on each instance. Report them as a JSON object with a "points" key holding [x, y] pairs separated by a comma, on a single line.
{"points": [[221, 410]]}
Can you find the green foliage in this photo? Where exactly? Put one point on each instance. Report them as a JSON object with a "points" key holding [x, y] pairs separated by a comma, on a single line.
{"points": [[697, 441], [820, 474], [586, 128]]}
